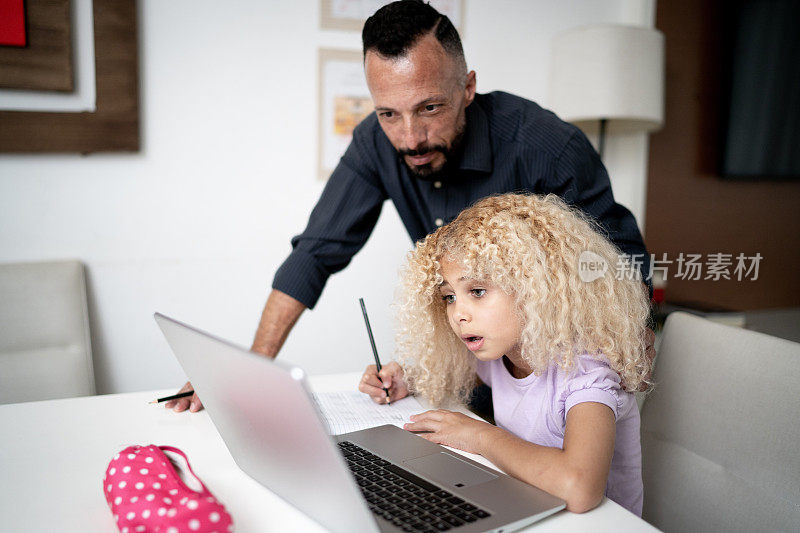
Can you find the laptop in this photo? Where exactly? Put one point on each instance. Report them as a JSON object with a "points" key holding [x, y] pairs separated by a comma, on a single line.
{"points": [[379, 479]]}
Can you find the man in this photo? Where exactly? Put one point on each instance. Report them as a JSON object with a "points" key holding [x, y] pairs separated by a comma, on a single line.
{"points": [[433, 146]]}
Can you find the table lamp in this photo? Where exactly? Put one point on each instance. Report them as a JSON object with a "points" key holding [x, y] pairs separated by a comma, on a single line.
{"points": [[608, 76]]}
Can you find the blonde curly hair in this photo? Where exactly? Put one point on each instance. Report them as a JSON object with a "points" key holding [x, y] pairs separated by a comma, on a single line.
{"points": [[529, 246]]}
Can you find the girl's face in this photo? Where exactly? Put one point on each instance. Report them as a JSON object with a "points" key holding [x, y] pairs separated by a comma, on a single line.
{"points": [[481, 315]]}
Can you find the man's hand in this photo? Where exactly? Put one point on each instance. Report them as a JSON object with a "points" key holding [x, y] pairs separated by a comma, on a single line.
{"points": [[390, 377], [192, 403], [456, 430]]}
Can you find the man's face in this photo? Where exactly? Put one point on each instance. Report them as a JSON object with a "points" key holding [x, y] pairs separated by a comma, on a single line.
{"points": [[420, 100]]}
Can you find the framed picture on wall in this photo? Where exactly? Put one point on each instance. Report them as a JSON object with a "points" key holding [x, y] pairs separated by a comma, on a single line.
{"points": [[103, 120], [351, 14], [344, 101]]}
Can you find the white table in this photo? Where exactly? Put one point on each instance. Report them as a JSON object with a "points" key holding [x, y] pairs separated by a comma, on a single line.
{"points": [[53, 456]]}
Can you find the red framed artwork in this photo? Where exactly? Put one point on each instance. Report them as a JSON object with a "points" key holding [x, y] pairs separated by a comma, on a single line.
{"points": [[12, 23]]}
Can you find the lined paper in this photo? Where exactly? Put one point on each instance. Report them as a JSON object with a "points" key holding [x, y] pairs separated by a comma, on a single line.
{"points": [[344, 412]]}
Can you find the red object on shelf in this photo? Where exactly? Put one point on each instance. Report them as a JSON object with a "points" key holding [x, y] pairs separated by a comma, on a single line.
{"points": [[12, 23], [658, 295]]}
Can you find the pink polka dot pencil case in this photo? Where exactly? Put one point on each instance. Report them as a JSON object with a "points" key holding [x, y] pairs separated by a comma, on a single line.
{"points": [[153, 489]]}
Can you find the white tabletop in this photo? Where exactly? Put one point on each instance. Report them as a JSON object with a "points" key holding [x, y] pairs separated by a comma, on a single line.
{"points": [[53, 456]]}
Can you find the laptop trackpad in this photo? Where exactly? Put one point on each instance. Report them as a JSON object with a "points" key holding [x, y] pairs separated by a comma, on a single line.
{"points": [[449, 470]]}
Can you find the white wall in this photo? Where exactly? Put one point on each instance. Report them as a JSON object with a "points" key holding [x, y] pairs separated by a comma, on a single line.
{"points": [[196, 223]]}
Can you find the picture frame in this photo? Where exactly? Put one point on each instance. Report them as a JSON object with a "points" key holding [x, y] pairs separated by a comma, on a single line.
{"points": [[344, 101], [40, 56], [114, 124]]}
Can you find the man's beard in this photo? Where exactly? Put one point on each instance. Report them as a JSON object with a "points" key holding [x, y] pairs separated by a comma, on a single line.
{"points": [[451, 155]]}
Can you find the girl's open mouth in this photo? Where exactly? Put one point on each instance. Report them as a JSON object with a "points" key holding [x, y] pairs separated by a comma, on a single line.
{"points": [[473, 342]]}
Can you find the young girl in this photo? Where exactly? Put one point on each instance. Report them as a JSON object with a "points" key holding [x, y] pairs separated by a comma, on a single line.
{"points": [[506, 292]]}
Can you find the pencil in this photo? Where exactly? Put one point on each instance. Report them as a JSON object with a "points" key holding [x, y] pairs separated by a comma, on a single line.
{"points": [[372, 342], [174, 396]]}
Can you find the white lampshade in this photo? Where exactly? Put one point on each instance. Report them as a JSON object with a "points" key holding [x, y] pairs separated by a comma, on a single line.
{"points": [[611, 72]]}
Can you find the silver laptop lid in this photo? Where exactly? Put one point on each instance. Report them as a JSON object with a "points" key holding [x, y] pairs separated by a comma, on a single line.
{"points": [[263, 411]]}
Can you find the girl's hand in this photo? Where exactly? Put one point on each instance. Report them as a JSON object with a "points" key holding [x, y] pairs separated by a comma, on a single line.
{"points": [[451, 429], [390, 376]]}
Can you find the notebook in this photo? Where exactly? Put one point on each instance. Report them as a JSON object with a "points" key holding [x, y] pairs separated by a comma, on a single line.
{"points": [[348, 411], [381, 478]]}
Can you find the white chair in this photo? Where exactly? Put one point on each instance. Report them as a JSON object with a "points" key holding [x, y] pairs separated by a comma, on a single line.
{"points": [[45, 349], [721, 431]]}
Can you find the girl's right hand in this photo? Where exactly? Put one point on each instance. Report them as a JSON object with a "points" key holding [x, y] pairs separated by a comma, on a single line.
{"points": [[390, 376]]}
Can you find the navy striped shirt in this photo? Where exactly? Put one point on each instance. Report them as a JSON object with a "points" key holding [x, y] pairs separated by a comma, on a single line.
{"points": [[511, 145]]}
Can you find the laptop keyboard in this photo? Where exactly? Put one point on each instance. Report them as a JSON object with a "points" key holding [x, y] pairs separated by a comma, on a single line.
{"points": [[404, 499]]}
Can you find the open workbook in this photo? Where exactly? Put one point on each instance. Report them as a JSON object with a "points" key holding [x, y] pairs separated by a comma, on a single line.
{"points": [[344, 412]]}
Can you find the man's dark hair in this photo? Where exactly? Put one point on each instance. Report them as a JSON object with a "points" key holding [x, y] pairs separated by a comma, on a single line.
{"points": [[395, 27]]}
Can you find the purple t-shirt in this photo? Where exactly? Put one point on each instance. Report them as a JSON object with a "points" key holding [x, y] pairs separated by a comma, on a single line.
{"points": [[535, 409]]}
